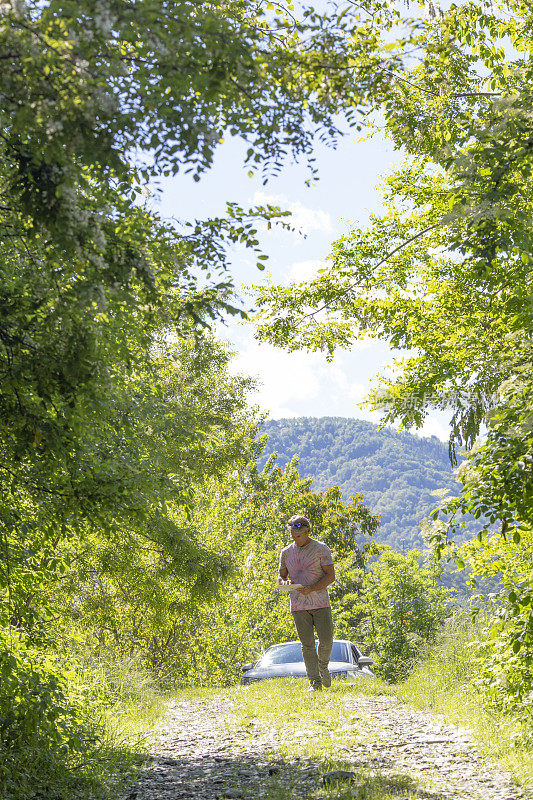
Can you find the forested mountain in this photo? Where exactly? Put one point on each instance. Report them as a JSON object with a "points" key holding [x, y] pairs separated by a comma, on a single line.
{"points": [[397, 472]]}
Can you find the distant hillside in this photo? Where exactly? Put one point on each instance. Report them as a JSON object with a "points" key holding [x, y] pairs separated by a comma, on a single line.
{"points": [[396, 472]]}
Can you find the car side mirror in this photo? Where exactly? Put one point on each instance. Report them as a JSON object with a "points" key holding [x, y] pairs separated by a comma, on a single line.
{"points": [[246, 667], [364, 661]]}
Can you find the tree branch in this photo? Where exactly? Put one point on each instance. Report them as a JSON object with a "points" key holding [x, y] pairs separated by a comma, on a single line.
{"points": [[383, 260]]}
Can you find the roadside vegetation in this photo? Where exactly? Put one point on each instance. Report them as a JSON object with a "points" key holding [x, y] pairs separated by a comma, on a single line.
{"points": [[75, 726], [138, 539], [453, 678]]}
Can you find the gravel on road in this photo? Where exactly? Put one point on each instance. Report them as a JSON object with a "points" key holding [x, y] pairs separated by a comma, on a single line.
{"points": [[401, 753]]}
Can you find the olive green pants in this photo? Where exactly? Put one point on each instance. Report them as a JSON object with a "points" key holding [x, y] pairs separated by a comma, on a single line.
{"points": [[307, 622]]}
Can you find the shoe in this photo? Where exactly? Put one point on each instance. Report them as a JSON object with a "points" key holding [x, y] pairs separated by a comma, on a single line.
{"points": [[316, 686], [325, 677]]}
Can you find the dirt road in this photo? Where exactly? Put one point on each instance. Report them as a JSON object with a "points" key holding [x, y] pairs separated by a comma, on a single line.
{"points": [[203, 753]]}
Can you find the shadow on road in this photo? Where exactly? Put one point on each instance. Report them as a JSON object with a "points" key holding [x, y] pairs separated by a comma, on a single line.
{"points": [[266, 775]]}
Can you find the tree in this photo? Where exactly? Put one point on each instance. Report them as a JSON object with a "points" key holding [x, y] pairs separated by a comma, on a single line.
{"points": [[453, 250], [243, 518], [508, 653], [168, 430], [446, 272], [95, 102], [110, 568], [393, 606]]}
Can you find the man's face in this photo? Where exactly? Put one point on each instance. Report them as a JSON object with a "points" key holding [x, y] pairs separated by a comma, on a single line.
{"points": [[300, 536]]}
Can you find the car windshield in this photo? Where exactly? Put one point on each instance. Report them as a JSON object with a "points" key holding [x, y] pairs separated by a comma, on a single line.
{"points": [[292, 651]]}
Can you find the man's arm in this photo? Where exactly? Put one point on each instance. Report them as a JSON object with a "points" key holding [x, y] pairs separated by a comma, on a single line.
{"points": [[283, 574], [327, 578]]}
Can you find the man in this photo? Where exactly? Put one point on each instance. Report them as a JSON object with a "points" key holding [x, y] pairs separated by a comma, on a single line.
{"points": [[309, 562]]}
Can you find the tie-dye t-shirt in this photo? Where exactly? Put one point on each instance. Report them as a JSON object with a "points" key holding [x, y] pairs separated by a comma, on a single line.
{"points": [[304, 565]]}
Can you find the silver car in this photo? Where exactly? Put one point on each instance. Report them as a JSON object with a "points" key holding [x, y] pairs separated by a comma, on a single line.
{"points": [[286, 660]]}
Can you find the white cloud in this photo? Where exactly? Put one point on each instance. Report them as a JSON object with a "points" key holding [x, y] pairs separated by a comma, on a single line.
{"points": [[356, 347], [285, 378], [305, 220], [300, 383], [432, 427], [304, 271]]}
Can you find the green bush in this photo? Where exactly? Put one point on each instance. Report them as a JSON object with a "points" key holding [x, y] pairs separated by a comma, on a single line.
{"points": [[70, 723], [42, 731], [394, 607]]}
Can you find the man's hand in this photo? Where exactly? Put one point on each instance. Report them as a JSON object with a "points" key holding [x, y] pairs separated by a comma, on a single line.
{"points": [[306, 590]]}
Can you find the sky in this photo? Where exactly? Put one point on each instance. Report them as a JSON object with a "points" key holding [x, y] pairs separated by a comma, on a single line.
{"points": [[299, 383]]}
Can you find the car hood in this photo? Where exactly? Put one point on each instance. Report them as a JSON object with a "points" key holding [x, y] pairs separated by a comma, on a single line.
{"points": [[294, 669]]}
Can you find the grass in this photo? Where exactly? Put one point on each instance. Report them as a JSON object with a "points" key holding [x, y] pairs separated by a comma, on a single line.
{"points": [[307, 731], [127, 708], [107, 715], [286, 709], [131, 721], [364, 787], [445, 683]]}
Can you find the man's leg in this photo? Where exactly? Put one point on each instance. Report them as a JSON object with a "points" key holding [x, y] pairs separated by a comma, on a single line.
{"points": [[323, 622], [304, 628]]}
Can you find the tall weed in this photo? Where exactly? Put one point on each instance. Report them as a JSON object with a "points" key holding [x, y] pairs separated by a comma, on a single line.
{"points": [[72, 726], [449, 681]]}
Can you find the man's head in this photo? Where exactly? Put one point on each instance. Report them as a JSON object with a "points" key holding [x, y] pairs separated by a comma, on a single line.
{"points": [[300, 529]]}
